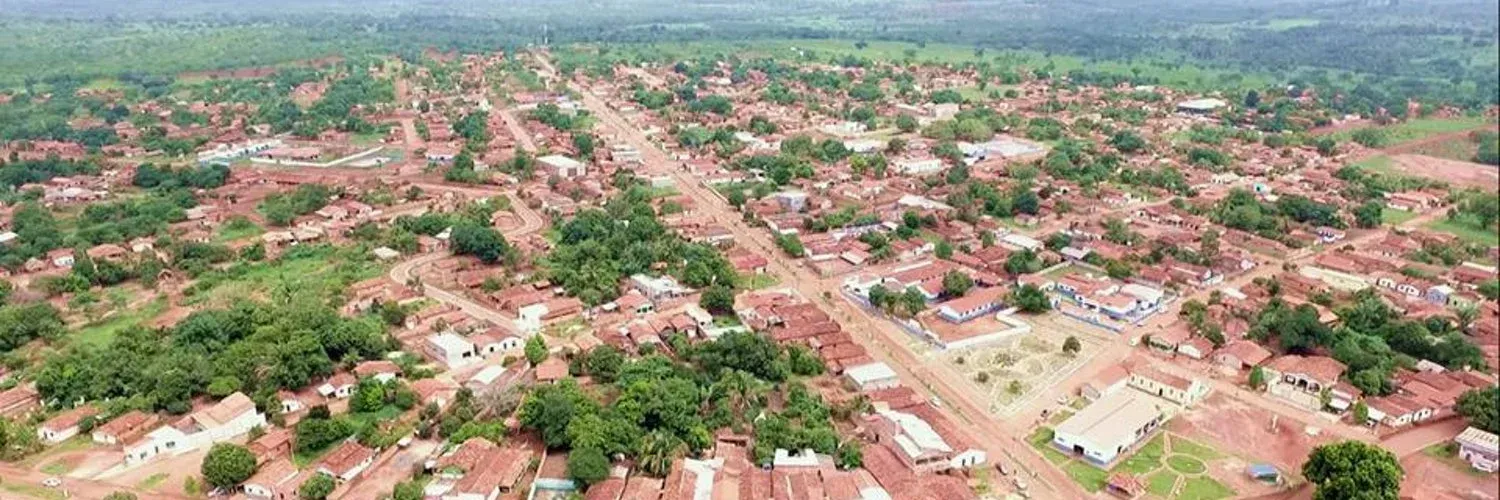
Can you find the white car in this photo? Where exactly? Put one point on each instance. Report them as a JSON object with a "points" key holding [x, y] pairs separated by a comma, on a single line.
{"points": [[52, 482]]}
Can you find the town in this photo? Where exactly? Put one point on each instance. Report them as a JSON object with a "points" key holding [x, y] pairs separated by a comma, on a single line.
{"points": [[548, 274]]}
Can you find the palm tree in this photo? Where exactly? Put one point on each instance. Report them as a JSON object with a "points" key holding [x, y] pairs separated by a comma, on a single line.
{"points": [[656, 453]]}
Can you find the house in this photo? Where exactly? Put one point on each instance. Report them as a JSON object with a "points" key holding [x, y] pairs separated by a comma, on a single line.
{"points": [[563, 166], [274, 444], [1108, 381], [231, 417], [551, 370], [381, 370], [18, 400], [1109, 427], [1167, 386], [1301, 379], [1481, 449], [657, 287], [277, 480], [1196, 348], [484, 471], [872, 377], [973, 305], [1241, 354], [347, 461], [450, 349], [919, 445], [124, 427], [65, 425], [495, 341], [339, 386]]}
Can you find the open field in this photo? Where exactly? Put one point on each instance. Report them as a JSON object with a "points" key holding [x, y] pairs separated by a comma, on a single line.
{"points": [[1171, 465], [1463, 173], [1466, 231], [1422, 128]]}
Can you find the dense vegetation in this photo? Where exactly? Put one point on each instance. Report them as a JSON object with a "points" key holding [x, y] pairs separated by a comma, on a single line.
{"points": [[665, 407], [598, 248]]}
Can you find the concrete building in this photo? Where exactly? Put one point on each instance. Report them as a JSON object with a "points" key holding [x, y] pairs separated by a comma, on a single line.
{"points": [[872, 377], [1167, 386], [231, 417], [563, 166], [1109, 427], [450, 349], [1481, 449]]}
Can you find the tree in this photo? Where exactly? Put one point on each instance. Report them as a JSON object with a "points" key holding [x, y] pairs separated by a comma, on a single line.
{"points": [[227, 465], [120, 495], [369, 396], [851, 455], [1353, 469], [536, 350], [1257, 378], [1030, 299], [1360, 412], [944, 250], [316, 488], [717, 299], [1252, 99], [1368, 214], [956, 283], [587, 466], [480, 241], [906, 123], [1072, 345], [1480, 407]]}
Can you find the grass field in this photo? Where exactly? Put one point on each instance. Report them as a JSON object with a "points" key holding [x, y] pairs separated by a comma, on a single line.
{"points": [[1395, 217], [1203, 488], [1042, 441], [238, 228], [1186, 464], [1466, 231], [1379, 164], [1171, 74], [1161, 483], [1422, 128], [101, 332], [1147, 459], [1089, 477]]}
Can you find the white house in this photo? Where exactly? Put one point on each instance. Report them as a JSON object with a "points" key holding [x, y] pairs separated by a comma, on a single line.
{"points": [[450, 349], [277, 480], [229, 418], [922, 447], [65, 425], [339, 386], [657, 287]]}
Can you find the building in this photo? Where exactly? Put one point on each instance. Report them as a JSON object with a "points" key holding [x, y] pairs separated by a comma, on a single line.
{"points": [[1167, 386], [347, 461], [124, 427], [450, 349], [1200, 106], [1108, 381], [919, 445], [656, 288], [1109, 427], [65, 425], [277, 480], [339, 386], [1481, 449], [977, 303], [563, 166], [1241, 354], [479, 470], [872, 377], [231, 417], [1301, 379]]}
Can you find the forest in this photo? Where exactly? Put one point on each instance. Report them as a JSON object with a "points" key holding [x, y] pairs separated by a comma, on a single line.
{"points": [[1444, 50]]}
